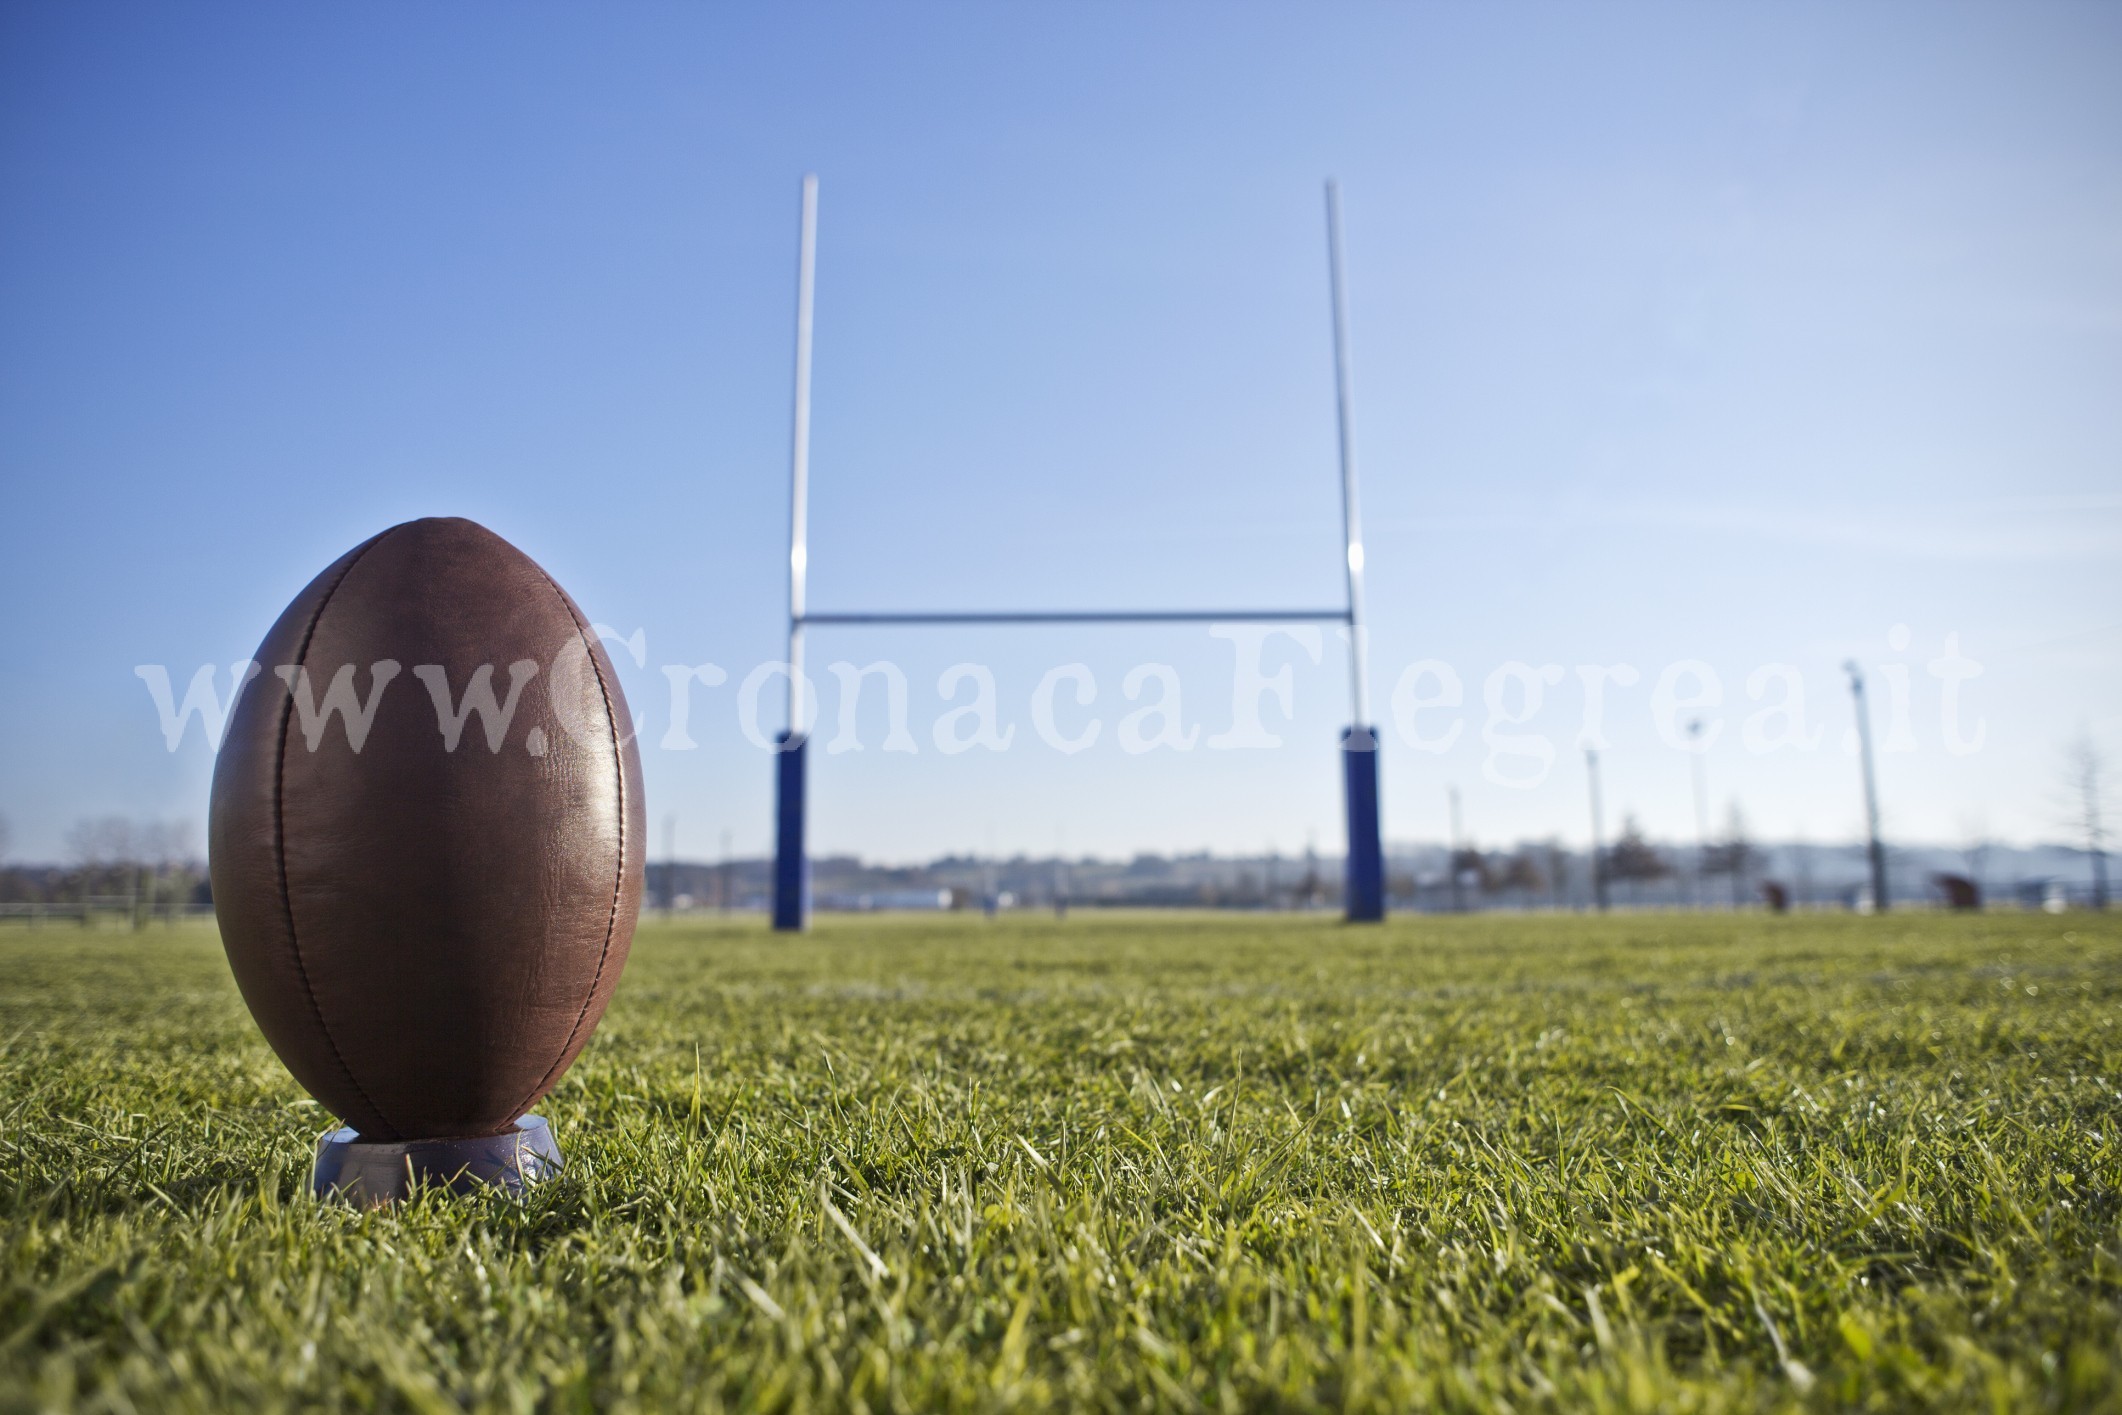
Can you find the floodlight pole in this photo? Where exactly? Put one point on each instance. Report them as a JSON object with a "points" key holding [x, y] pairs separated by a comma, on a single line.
{"points": [[1871, 788], [791, 866], [1591, 773], [1701, 791], [670, 864], [1458, 882], [1359, 744]]}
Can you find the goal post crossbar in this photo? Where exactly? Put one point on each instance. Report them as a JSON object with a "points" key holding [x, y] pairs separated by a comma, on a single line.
{"points": [[1086, 616]]}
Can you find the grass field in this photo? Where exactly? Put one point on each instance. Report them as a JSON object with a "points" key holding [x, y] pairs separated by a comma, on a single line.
{"points": [[1125, 1163]]}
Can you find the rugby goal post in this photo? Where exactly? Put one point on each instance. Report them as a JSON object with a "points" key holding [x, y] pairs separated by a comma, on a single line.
{"points": [[1365, 870]]}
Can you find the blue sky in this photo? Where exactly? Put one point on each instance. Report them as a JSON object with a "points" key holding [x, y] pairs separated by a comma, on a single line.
{"points": [[1738, 334]]}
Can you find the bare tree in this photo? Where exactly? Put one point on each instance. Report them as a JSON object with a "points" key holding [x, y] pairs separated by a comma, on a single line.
{"points": [[2085, 770], [1557, 872], [104, 854], [1734, 855], [1634, 858], [166, 844], [1521, 872], [100, 841], [1974, 850]]}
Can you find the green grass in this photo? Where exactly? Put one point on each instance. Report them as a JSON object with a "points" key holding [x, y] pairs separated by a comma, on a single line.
{"points": [[1125, 1163]]}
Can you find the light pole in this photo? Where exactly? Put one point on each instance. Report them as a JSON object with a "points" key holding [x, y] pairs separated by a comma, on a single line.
{"points": [[722, 894], [1451, 795], [670, 865], [1694, 733], [1591, 772], [1871, 787]]}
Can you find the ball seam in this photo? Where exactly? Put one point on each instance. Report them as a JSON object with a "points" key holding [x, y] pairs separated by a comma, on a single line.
{"points": [[611, 925], [287, 898]]}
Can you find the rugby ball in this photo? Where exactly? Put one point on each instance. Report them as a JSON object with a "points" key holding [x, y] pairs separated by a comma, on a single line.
{"points": [[426, 836]]}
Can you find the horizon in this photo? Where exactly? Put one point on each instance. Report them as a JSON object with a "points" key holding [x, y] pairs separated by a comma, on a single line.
{"points": [[1680, 848]]}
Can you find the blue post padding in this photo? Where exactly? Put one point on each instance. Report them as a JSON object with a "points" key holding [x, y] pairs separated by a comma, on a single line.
{"points": [[1366, 842], [791, 865]]}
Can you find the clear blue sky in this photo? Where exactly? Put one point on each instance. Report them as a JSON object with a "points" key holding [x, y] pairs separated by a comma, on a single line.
{"points": [[1732, 333]]}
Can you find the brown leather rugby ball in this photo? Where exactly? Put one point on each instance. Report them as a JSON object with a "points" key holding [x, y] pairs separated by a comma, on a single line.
{"points": [[426, 834]]}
